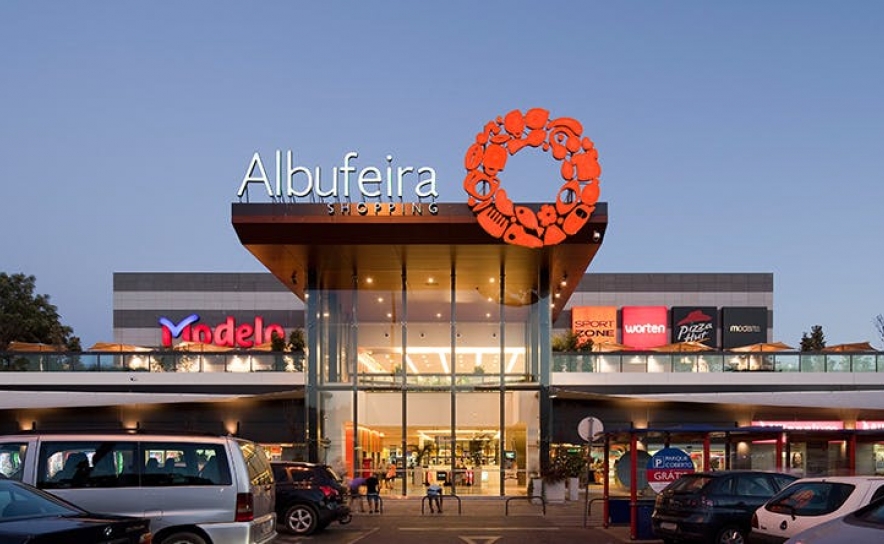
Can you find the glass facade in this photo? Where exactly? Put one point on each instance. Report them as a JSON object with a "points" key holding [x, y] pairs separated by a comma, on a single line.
{"points": [[435, 376]]}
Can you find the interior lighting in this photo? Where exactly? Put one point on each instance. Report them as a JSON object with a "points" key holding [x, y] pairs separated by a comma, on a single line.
{"points": [[411, 366], [369, 280]]}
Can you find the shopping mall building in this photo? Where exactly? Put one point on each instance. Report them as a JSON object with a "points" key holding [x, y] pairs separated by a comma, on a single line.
{"points": [[430, 331]]}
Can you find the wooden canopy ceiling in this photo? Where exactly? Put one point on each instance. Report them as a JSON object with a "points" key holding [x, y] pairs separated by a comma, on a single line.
{"points": [[343, 250]]}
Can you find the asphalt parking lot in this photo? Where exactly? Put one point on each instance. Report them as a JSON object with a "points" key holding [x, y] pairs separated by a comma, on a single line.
{"points": [[481, 521]]}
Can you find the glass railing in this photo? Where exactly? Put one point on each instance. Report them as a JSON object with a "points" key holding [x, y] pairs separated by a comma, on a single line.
{"points": [[159, 361], [652, 362], [246, 361]]}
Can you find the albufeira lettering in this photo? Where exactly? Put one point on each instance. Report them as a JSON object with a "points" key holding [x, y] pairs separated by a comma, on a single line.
{"points": [[346, 181]]}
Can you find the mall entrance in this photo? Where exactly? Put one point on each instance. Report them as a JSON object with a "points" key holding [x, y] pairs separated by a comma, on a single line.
{"points": [[410, 441]]}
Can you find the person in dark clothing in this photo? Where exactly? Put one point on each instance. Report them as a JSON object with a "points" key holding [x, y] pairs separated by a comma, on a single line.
{"points": [[373, 493]]}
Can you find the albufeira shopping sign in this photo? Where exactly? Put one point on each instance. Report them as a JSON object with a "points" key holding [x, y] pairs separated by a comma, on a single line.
{"points": [[354, 189]]}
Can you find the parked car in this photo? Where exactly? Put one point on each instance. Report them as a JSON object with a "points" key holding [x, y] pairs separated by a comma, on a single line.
{"points": [[31, 516], [309, 497], [864, 525], [199, 489], [713, 507], [811, 501]]}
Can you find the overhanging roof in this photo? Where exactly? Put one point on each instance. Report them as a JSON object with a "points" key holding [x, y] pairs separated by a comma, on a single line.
{"points": [[292, 238]]}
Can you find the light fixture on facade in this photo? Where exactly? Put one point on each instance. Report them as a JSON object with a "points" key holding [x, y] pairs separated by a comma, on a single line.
{"points": [[596, 236]]}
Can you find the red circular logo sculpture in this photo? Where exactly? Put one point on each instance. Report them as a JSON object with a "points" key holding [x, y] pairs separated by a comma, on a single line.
{"points": [[520, 225]]}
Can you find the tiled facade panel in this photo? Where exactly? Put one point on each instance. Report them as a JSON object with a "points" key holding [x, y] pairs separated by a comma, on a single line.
{"points": [[140, 299]]}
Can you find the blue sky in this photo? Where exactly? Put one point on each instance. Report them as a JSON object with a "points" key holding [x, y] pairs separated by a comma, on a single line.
{"points": [[733, 136]]}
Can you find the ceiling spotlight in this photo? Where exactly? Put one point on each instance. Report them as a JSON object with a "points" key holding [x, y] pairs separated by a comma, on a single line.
{"points": [[294, 277]]}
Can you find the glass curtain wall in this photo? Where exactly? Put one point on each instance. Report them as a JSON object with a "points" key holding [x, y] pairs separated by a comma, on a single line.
{"points": [[418, 379]]}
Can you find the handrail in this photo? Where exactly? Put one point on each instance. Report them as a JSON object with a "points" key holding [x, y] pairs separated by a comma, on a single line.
{"points": [[530, 500], [443, 497]]}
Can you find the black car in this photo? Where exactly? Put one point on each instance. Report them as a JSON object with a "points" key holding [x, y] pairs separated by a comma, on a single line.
{"points": [[29, 515], [309, 497], [713, 507]]}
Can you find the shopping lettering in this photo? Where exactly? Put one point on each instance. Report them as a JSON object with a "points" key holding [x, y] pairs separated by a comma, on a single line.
{"points": [[227, 334]]}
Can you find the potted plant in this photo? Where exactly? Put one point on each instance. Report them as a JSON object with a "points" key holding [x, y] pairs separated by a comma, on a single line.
{"points": [[554, 478], [298, 346]]}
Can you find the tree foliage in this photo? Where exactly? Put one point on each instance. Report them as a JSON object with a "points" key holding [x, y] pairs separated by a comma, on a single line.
{"points": [[29, 317], [879, 325], [569, 341], [815, 341]]}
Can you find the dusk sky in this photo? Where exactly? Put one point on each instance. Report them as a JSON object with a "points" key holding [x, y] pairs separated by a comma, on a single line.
{"points": [[733, 136]]}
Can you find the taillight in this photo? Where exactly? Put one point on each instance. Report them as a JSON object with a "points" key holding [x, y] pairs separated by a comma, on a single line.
{"points": [[146, 538], [754, 520], [245, 507]]}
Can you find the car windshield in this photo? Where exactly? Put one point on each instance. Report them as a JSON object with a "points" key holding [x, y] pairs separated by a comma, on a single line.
{"points": [[873, 514], [811, 498], [19, 501]]}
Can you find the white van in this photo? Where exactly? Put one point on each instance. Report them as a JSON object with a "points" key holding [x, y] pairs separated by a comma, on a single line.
{"points": [[195, 489]]}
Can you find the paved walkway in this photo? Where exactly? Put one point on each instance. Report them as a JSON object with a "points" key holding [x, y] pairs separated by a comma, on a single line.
{"points": [[564, 514]]}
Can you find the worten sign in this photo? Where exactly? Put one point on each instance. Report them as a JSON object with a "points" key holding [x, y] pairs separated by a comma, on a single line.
{"points": [[227, 334], [645, 327]]}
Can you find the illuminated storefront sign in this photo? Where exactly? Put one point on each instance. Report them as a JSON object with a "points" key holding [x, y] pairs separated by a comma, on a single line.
{"points": [[227, 334], [645, 327], [575, 201], [742, 326], [802, 425], [694, 324], [345, 182], [596, 323]]}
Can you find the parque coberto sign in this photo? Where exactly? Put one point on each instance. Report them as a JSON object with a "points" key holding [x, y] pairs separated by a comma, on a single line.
{"points": [[666, 466]]}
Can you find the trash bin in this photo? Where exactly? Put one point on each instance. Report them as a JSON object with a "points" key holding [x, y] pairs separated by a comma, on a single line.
{"points": [[618, 511], [644, 529]]}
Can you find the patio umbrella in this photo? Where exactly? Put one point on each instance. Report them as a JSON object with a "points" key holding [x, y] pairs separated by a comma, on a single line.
{"points": [[763, 346], [109, 347], [606, 347], [200, 347], [681, 347], [841, 348], [34, 347]]}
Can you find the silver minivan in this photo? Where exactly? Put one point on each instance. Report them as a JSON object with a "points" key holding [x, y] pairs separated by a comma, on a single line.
{"points": [[195, 489]]}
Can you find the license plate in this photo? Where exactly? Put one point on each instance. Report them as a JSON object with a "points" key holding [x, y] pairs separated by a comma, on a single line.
{"points": [[667, 526]]}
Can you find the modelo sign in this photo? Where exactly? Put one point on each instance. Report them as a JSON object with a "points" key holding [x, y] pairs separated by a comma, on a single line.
{"points": [[227, 334], [645, 327], [596, 323], [666, 466]]}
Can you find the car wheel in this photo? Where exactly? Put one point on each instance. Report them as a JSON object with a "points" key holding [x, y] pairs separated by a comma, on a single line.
{"points": [[300, 519], [183, 538], [730, 535]]}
